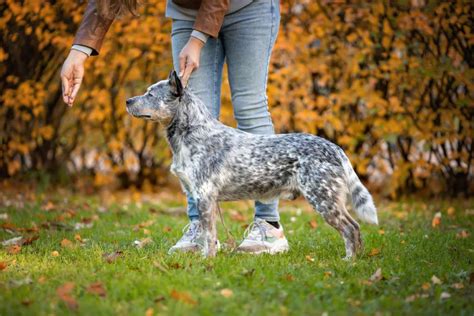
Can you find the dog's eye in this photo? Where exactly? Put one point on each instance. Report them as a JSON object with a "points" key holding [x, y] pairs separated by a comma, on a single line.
{"points": [[151, 94]]}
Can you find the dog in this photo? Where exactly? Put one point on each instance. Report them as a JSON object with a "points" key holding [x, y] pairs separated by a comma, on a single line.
{"points": [[215, 162]]}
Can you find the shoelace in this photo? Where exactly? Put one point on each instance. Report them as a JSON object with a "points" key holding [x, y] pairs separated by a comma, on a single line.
{"points": [[252, 234], [190, 229]]}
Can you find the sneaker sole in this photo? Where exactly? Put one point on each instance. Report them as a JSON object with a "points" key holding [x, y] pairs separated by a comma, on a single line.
{"points": [[279, 248]]}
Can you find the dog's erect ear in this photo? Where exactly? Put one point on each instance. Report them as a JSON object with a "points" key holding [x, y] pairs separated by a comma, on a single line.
{"points": [[175, 83]]}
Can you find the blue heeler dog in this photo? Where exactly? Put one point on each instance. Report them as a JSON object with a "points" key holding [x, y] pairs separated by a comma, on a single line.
{"points": [[215, 163]]}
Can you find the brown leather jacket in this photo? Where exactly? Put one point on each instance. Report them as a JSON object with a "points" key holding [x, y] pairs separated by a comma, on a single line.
{"points": [[93, 27]]}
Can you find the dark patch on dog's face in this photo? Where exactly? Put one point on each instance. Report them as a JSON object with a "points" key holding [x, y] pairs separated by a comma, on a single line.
{"points": [[159, 102]]}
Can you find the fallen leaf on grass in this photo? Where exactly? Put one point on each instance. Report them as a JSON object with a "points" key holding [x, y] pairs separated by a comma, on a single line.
{"points": [[450, 211], [111, 257], [309, 258], [18, 283], [78, 238], [78, 226], [9, 227], [183, 297], [377, 276], [426, 286], [457, 286], [167, 229], [413, 297], [444, 295], [313, 224], [435, 280], [436, 222], [55, 253], [13, 250], [142, 243], [64, 294], [149, 311], [3, 265], [49, 206], [42, 279], [327, 274], [374, 252], [28, 240], [26, 302], [463, 234], [97, 288], [381, 232], [289, 277], [226, 293], [66, 243], [12, 241], [143, 224]]}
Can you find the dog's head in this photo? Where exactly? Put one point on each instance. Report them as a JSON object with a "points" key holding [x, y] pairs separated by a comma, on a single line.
{"points": [[160, 101]]}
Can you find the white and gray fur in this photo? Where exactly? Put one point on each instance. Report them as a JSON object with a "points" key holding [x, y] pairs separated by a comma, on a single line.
{"points": [[215, 162]]}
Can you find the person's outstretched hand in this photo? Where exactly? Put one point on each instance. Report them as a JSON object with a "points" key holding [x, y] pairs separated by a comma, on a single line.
{"points": [[189, 58], [72, 74]]}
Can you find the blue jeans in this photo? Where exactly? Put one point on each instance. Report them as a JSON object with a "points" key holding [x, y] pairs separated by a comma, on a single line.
{"points": [[245, 43]]}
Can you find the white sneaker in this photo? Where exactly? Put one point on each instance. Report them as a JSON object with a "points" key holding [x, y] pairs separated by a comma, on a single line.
{"points": [[190, 242], [262, 237]]}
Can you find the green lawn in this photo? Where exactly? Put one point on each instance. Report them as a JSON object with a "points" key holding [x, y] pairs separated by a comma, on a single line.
{"points": [[52, 276]]}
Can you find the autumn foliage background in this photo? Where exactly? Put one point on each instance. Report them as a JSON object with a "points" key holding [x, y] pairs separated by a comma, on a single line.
{"points": [[390, 83]]}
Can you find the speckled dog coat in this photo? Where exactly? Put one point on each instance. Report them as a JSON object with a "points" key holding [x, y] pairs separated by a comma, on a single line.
{"points": [[215, 162]]}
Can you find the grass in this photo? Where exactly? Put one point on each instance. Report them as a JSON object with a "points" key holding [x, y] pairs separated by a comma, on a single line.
{"points": [[311, 279]]}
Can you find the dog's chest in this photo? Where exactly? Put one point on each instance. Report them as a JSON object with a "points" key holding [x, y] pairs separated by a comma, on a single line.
{"points": [[182, 166]]}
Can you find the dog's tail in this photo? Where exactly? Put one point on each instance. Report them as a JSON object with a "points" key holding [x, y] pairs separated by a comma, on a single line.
{"points": [[361, 199]]}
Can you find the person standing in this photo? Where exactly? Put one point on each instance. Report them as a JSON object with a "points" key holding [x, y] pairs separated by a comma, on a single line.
{"points": [[205, 35]]}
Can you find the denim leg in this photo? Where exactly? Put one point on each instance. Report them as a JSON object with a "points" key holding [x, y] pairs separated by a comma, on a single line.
{"points": [[205, 81], [248, 36]]}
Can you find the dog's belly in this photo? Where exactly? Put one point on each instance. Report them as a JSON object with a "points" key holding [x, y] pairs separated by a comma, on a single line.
{"points": [[261, 193]]}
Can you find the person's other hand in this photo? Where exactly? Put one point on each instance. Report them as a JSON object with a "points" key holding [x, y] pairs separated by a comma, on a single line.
{"points": [[189, 58], [72, 74]]}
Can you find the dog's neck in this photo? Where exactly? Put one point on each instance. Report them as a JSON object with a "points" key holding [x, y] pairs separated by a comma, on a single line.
{"points": [[191, 118]]}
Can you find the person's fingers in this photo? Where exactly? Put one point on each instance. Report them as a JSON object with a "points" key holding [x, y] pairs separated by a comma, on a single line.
{"points": [[75, 88], [65, 87], [187, 73], [190, 67], [182, 64]]}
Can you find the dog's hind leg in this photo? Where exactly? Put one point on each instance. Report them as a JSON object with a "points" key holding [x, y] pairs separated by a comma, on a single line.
{"points": [[207, 215], [325, 190]]}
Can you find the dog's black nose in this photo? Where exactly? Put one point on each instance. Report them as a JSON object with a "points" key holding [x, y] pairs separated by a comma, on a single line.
{"points": [[129, 101]]}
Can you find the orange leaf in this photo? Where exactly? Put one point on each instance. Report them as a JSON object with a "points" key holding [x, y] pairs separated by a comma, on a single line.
{"points": [[64, 294], [66, 243], [436, 220], [226, 293], [463, 234], [374, 252], [97, 288], [14, 249], [3, 265], [183, 297]]}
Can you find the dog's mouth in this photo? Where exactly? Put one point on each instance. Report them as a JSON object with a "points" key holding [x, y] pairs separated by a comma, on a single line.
{"points": [[143, 116]]}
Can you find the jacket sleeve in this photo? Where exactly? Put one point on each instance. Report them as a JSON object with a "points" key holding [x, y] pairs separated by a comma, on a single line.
{"points": [[92, 29], [211, 16]]}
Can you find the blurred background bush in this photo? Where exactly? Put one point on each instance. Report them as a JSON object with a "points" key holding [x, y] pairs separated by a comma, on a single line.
{"points": [[390, 82]]}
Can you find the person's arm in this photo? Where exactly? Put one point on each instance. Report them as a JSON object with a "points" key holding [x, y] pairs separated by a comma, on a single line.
{"points": [[92, 30], [87, 42], [208, 23]]}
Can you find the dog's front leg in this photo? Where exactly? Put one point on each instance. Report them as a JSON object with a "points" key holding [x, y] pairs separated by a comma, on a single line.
{"points": [[207, 214]]}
